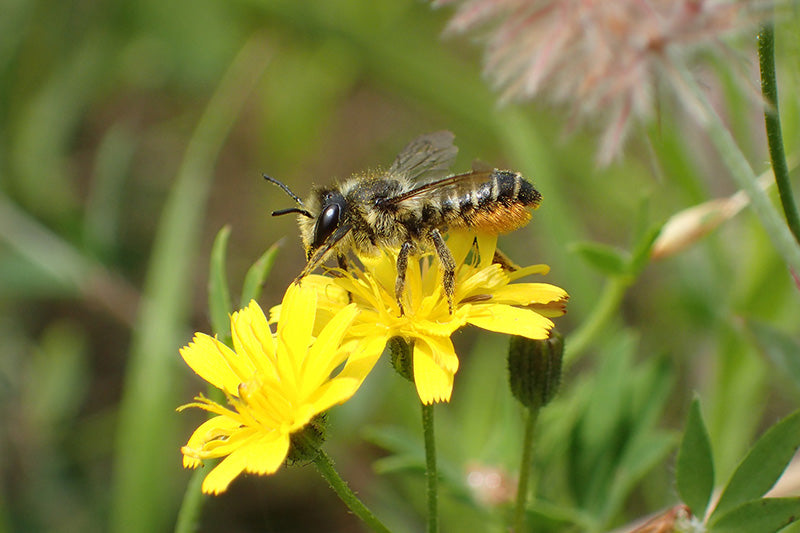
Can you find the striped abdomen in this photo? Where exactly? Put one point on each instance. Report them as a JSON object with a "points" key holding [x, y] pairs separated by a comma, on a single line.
{"points": [[498, 205]]}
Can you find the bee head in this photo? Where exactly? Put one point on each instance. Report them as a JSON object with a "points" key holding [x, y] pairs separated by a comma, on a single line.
{"points": [[322, 222]]}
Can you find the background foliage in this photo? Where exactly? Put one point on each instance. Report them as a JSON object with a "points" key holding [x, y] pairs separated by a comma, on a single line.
{"points": [[131, 132]]}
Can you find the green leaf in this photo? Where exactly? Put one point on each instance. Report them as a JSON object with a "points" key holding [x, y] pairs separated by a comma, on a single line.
{"points": [[780, 348], [764, 515], [257, 274], [695, 464], [607, 259], [763, 465], [219, 296]]}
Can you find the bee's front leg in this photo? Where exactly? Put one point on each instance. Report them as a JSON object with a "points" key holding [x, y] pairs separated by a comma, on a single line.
{"points": [[448, 266], [402, 266]]}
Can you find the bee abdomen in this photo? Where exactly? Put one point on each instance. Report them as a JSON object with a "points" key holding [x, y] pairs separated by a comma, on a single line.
{"points": [[499, 205]]}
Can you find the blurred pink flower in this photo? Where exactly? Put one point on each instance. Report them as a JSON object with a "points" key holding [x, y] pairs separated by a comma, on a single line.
{"points": [[601, 58]]}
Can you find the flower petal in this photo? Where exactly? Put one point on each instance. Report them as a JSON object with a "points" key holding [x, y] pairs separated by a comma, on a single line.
{"points": [[220, 477], [512, 320], [322, 357], [529, 293], [214, 362], [266, 454], [294, 332], [252, 338], [434, 383]]}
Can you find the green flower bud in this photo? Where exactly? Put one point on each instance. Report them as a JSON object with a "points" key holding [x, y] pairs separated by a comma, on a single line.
{"points": [[534, 368], [305, 444], [402, 357]]}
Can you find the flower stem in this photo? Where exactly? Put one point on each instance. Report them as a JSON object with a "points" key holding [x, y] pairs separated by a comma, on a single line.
{"points": [[769, 88], [431, 476], [745, 178], [602, 312], [525, 469], [189, 513], [325, 467]]}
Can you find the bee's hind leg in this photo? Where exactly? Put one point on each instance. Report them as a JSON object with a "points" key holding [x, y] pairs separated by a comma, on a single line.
{"points": [[341, 262], [504, 261], [448, 266], [402, 266]]}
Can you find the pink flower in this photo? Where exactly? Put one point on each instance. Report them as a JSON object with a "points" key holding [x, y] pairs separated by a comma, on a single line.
{"points": [[600, 58]]}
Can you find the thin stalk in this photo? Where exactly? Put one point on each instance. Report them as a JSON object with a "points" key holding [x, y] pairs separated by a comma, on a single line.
{"points": [[147, 434], [192, 504], [602, 312], [744, 177], [342, 489], [431, 477], [772, 120], [525, 469]]}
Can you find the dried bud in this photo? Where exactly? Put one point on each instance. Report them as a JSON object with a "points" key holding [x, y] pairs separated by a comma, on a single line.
{"points": [[534, 368]]}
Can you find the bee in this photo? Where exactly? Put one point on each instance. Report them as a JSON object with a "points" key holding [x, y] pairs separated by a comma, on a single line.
{"points": [[408, 207]]}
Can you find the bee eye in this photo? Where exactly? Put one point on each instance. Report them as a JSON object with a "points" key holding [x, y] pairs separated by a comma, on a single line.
{"points": [[327, 222]]}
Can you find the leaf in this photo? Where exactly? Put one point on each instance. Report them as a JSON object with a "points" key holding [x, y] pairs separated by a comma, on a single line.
{"points": [[257, 274], [765, 515], [695, 464], [764, 464], [607, 259], [219, 297]]}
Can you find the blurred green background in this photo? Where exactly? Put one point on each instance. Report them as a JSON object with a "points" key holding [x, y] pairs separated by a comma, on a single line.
{"points": [[131, 132]]}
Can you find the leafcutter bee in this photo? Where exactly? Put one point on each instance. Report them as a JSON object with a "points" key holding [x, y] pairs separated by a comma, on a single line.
{"points": [[408, 207]]}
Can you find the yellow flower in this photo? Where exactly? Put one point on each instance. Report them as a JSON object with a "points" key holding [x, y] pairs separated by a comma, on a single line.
{"points": [[275, 383], [485, 296]]}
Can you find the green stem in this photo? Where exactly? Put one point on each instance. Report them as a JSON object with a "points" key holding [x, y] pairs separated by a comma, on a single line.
{"points": [[340, 487], [602, 312], [431, 476], [772, 120], [744, 177], [525, 469], [189, 513], [147, 433]]}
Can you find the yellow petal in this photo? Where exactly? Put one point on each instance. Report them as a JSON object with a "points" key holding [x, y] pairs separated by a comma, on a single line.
{"points": [[528, 293], [324, 356], [266, 454], [512, 320], [528, 271], [214, 362], [434, 383], [460, 243], [211, 429], [336, 391], [486, 247], [252, 338], [294, 332], [220, 477]]}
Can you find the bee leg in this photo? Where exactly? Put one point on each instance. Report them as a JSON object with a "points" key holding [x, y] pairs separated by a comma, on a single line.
{"points": [[448, 266], [504, 261], [402, 266], [341, 262]]}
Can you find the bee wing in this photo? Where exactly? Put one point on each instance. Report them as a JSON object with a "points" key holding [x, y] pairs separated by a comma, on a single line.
{"points": [[426, 157], [450, 185]]}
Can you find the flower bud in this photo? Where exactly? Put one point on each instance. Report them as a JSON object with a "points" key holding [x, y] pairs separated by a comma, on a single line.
{"points": [[306, 443], [534, 368], [402, 357]]}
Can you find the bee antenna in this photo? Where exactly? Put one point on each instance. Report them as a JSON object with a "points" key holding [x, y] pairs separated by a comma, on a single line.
{"points": [[292, 210], [287, 190]]}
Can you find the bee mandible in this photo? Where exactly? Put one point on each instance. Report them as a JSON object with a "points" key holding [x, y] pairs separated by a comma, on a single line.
{"points": [[408, 207]]}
